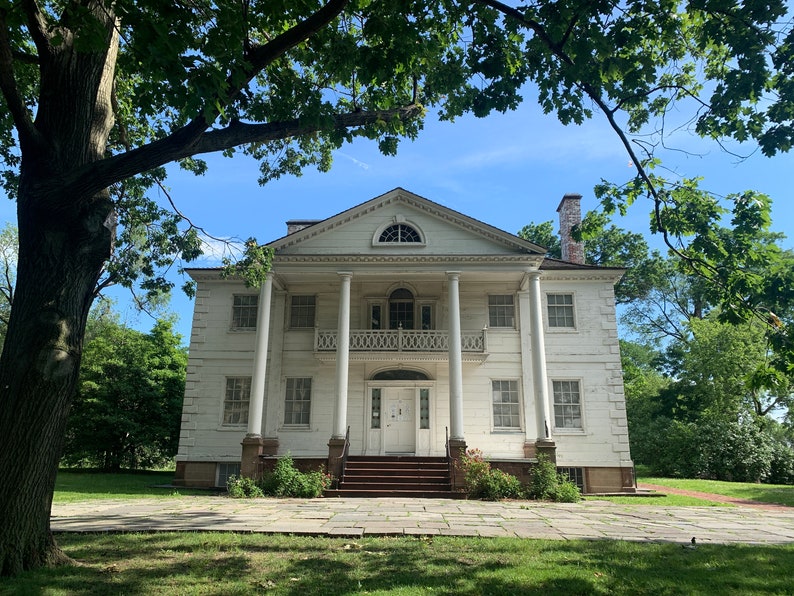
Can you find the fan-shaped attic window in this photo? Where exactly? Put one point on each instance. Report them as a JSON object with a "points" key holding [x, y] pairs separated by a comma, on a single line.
{"points": [[399, 233]]}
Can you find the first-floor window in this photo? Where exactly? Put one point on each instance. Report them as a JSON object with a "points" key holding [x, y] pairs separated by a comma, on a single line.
{"points": [[567, 404], [506, 408], [298, 401], [235, 401]]}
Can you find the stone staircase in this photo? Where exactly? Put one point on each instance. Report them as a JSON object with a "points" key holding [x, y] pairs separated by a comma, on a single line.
{"points": [[395, 476]]}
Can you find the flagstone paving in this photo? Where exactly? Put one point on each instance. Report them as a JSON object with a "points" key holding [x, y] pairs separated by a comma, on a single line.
{"points": [[591, 519]]}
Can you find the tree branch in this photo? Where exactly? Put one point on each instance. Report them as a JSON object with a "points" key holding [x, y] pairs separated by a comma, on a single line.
{"points": [[99, 175], [37, 26], [258, 59], [23, 120]]}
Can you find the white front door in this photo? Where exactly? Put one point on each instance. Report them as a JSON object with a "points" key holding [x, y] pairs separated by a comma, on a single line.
{"points": [[399, 418]]}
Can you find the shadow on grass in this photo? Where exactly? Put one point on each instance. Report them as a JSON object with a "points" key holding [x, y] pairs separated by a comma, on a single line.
{"points": [[181, 563]]}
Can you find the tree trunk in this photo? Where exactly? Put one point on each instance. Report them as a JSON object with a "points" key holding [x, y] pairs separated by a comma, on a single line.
{"points": [[65, 238], [59, 263]]}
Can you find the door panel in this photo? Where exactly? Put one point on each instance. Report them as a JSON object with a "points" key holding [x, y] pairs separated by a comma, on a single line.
{"points": [[399, 417]]}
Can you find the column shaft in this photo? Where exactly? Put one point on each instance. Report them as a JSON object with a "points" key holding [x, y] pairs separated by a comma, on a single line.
{"points": [[342, 357], [539, 359], [257, 397], [455, 359]]}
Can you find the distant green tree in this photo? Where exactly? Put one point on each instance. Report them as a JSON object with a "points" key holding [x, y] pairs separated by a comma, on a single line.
{"points": [[8, 266], [712, 371], [607, 245], [127, 411]]}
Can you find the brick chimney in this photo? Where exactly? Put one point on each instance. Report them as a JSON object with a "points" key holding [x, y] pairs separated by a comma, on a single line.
{"points": [[570, 211], [296, 225]]}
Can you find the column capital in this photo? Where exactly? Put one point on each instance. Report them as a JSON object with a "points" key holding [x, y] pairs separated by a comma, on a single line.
{"points": [[345, 274], [453, 274]]}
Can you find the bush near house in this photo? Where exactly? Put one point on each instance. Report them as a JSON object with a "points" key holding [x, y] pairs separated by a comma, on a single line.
{"points": [[284, 481], [490, 484], [547, 484], [484, 482]]}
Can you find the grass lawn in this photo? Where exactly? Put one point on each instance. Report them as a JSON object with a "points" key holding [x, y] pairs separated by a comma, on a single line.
{"points": [[209, 563], [661, 501], [782, 494], [84, 485]]}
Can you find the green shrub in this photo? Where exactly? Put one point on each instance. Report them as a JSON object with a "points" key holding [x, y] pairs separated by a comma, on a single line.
{"points": [[545, 483], [484, 482], [543, 479], [567, 491], [287, 481], [243, 488]]}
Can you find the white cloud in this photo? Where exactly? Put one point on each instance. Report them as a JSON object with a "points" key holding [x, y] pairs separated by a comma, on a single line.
{"points": [[215, 249]]}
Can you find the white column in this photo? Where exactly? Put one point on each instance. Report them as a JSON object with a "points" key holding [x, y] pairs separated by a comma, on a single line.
{"points": [[539, 358], [342, 357], [455, 359], [257, 398]]}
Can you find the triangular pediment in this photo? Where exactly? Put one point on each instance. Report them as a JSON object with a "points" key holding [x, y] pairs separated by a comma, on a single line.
{"points": [[442, 231]]}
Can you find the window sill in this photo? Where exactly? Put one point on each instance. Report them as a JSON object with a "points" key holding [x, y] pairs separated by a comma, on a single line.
{"points": [[569, 431]]}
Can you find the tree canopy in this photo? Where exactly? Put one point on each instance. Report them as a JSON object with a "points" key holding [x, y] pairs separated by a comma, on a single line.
{"points": [[98, 96]]}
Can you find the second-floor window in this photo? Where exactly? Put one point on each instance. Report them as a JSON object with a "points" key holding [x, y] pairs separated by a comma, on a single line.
{"points": [[244, 307], [560, 310], [302, 312], [501, 311]]}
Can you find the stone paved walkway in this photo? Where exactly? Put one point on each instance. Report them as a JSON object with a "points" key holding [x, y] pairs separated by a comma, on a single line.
{"points": [[362, 517]]}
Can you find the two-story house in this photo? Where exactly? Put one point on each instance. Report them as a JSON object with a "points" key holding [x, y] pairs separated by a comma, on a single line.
{"points": [[402, 327]]}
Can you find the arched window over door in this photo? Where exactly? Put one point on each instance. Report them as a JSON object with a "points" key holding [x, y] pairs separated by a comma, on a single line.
{"points": [[400, 374], [401, 309]]}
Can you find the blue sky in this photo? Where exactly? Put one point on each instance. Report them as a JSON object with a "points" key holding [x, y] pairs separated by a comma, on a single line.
{"points": [[506, 170]]}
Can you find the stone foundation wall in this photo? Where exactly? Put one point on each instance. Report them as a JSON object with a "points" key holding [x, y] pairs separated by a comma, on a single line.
{"points": [[195, 474], [596, 480]]}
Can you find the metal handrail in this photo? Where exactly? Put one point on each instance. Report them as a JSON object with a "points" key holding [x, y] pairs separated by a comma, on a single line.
{"points": [[450, 467], [345, 451]]}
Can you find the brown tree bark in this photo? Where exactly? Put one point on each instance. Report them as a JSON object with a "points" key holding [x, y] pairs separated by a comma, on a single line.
{"points": [[64, 240], [59, 264]]}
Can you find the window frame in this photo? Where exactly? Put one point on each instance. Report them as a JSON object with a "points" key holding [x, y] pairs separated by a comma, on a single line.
{"points": [[398, 221], [226, 409], [238, 308], [219, 465], [580, 404], [514, 387], [560, 328], [491, 318], [298, 315], [296, 425]]}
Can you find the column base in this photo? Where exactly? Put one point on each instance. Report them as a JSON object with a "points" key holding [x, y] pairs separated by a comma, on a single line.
{"points": [[548, 448], [249, 462], [336, 449], [457, 451]]}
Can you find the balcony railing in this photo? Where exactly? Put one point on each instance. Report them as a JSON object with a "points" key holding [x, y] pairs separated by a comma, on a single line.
{"points": [[400, 340]]}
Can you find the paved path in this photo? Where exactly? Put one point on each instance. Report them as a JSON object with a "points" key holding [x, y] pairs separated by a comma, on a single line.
{"points": [[361, 517]]}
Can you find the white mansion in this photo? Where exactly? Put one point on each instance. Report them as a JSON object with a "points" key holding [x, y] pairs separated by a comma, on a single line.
{"points": [[402, 327]]}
